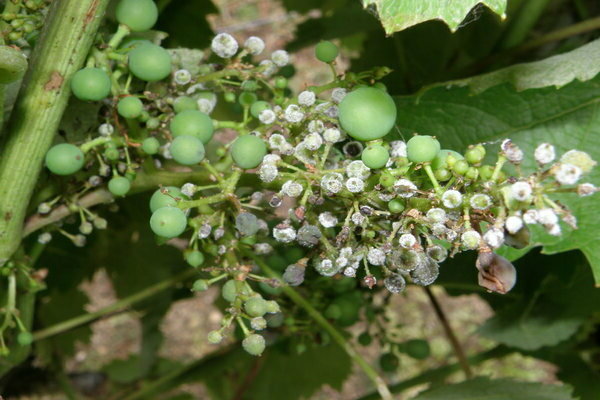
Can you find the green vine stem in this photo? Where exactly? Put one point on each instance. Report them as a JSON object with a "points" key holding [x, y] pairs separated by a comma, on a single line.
{"points": [[68, 34], [380, 384]]}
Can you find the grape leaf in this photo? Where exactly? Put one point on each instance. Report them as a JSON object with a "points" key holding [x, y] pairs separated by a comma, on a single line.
{"points": [[582, 64], [497, 389], [568, 117], [396, 15]]}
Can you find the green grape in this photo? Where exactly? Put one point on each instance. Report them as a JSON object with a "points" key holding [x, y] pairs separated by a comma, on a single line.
{"points": [[138, 15], [159, 200], [254, 344], [247, 98], [149, 62], [13, 64], [152, 123], [248, 151], [365, 339], [475, 154], [396, 206], [168, 222], [375, 156], [281, 82], [486, 172], [24, 338], [272, 307], [460, 167], [187, 150], [64, 159], [91, 84], [380, 86], [386, 179], [326, 51], [442, 161], [255, 307], [250, 86], [472, 173], [112, 153], [442, 174], [130, 107], [258, 107], [349, 305], [150, 145], [183, 103], [132, 42], [417, 348], [229, 291], [389, 362], [192, 123], [214, 337], [229, 97], [367, 113], [200, 285], [277, 262], [194, 258], [422, 148], [119, 185], [333, 311]]}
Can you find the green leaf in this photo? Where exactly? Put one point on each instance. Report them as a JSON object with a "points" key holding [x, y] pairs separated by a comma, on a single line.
{"points": [[497, 389], [396, 15], [568, 117], [580, 64]]}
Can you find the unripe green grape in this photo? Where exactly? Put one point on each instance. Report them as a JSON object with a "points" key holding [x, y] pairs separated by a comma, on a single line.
{"points": [[460, 167], [152, 123], [214, 337], [422, 148], [91, 84], [365, 339], [229, 291], [396, 206], [417, 348], [248, 151], [375, 156], [386, 179], [442, 174], [257, 107], [150, 145], [144, 116], [159, 200], [254, 344], [183, 103], [229, 97], [168, 222], [472, 173], [281, 82], [255, 307], [187, 150], [380, 86], [194, 258], [445, 159], [64, 159], [138, 15], [326, 51], [333, 311], [119, 185], [149, 62], [272, 307], [475, 154], [24, 338], [200, 285], [247, 98], [130, 107], [486, 172], [250, 86], [367, 113], [192, 123], [389, 362], [13, 64]]}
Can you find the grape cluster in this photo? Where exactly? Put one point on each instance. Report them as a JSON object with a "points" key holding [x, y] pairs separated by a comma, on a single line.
{"points": [[323, 171], [23, 22]]}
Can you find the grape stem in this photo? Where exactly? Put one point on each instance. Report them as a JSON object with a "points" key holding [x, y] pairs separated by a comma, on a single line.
{"points": [[297, 298]]}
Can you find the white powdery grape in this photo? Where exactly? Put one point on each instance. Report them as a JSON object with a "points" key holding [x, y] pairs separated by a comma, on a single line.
{"points": [[394, 283], [106, 129], [404, 188], [258, 323], [494, 237], [189, 189], [358, 169], [470, 239], [521, 191], [79, 240], [512, 152], [346, 252], [452, 198], [376, 256], [530, 217], [44, 208], [426, 272], [437, 253], [332, 112], [293, 113], [332, 135], [316, 125], [513, 224], [554, 229], [268, 67], [341, 262], [281, 58], [204, 231], [182, 77], [86, 228], [271, 159], [44, 238], [398, 149], [262, 248], [332, 182], [355, 185], [407, 240], [586, 189], [480, 201], [276, 141], [306, 98], [94, 180], [358, 219], [327, 219], [254, 45], [313, 141], [350, 272], [268, 172], [284, 233], [580, 159], [545, 153], [338, 94], [326, 267], [547, 216], [292, 189], [436, 215], [267, 117], [567, 174], [206, 106], [224, 45]]}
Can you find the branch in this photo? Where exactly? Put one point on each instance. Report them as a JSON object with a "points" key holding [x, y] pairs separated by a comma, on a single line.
{"points": [[68, 34]]}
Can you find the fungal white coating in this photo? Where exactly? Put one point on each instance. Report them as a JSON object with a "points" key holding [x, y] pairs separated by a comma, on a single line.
{"points": [[224, 45]]}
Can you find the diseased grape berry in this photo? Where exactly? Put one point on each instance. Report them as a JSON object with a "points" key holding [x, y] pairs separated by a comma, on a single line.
{"points": [[214, 337], [258, 107], [422, 148], [248, 151], [187, 150], [149, 62], [90, 84], [367, 113], [255, 307], [375, 156], [130, 107], [138, 15], [254, 344], [326, 51], [159, 199], [247, 224], [150, 145], [64, 159], [194, 258], [168, 222], [119, 186], [193, 123]]}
